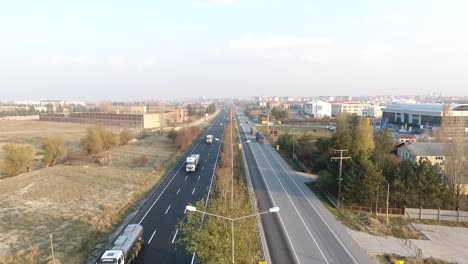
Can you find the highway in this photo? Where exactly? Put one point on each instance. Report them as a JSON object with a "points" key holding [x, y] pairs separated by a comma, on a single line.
{"points": [[304, 231], [178, 188]]}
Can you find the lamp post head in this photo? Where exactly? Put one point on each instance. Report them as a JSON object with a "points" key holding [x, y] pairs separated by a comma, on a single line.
{"points": [[274, 209], [191, 208]]}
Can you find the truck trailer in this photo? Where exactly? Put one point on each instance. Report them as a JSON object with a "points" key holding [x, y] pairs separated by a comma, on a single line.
{"points": [[192, 162], [126, 247], [209, 139], [259, 137]]}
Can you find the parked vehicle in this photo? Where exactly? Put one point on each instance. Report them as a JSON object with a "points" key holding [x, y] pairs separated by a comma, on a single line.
{"points": [[192, 162], [126, 247]]}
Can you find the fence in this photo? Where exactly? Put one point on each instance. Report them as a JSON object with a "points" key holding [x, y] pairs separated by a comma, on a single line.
{"points": [[381, 211], [412, 246], [437, 214]]}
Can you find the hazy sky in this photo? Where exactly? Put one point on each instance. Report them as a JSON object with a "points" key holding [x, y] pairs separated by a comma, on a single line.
{"points": [[129, 50]]}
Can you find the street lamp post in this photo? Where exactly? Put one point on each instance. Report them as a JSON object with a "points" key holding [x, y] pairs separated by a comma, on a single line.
{"points": [[194, 209]]}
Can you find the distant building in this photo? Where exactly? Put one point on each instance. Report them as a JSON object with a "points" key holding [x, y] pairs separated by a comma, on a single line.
{"points": [[350, 107], [418, 115], [317, 109], [138, 109], [375, 111], [434, 152], [137, 120]]}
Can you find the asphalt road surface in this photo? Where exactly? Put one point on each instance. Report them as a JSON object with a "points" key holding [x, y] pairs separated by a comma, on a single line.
{"points": [[178, 188], [304, 231]]}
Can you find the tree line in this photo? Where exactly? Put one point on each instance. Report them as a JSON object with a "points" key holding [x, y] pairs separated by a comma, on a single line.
{"points": [[211, 237], [372, 166], [19, 158], [197, 110]]}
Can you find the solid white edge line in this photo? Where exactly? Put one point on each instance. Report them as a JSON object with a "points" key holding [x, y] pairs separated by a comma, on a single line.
{"points": [[315, 209], [167, 210], [251, 189], [274, 204], [151, 238], [211, 183], [294, 206], [151, 207]]}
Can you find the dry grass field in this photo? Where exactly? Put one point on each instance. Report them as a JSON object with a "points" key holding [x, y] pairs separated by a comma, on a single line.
{"points": [[33, 132], [79, 204]]}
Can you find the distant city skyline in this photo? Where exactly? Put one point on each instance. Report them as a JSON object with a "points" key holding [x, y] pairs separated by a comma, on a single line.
{"points": [[128, 51]]}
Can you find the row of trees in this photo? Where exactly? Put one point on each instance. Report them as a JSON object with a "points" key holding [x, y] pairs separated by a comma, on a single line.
{"points": [[19, 158], [211, 237], [195, 110], [20, 112], [99, 138], [372, 166]]}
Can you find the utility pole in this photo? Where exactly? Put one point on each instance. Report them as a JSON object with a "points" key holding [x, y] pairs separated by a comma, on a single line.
{"points": [[268, 120], [52, 249], [232, 163], [388, 197], [341, 158], [162, 117], [293, 134]]}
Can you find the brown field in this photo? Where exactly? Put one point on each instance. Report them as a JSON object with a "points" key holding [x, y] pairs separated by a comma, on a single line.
{"points": [[79, 204], [33, 132]]}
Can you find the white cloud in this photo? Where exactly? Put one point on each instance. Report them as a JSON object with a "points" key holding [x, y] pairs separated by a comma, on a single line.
{"points": [[377, 51], [87, 29], [82, 60], [276, 42], [227, 2], [221, 2], [150, 61]]}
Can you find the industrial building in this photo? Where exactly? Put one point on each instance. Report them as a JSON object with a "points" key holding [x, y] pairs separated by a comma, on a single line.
{"points": [[350, 107], [318, 109], [422, 115], [137, 120]]}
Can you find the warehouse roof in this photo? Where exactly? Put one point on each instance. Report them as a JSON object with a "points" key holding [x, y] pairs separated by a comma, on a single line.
{"points": [[427, 148]]}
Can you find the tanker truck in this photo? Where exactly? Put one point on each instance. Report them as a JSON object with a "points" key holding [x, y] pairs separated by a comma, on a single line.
{"points": [[126, 247]]}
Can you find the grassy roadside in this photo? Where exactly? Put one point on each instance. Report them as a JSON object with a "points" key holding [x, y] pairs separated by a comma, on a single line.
{"points": [[364, 222]]}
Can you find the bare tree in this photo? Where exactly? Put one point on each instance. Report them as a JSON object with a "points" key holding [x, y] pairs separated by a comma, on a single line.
{"points": [[456, 163], [106, 107], [162, 116]]}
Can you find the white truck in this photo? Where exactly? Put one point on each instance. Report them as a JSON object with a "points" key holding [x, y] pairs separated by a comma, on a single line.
{"points": [[209, 139], [126, 247], [192, 162]]}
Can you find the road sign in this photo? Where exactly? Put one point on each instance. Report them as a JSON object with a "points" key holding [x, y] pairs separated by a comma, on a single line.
{"points": [[262, 262]]}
